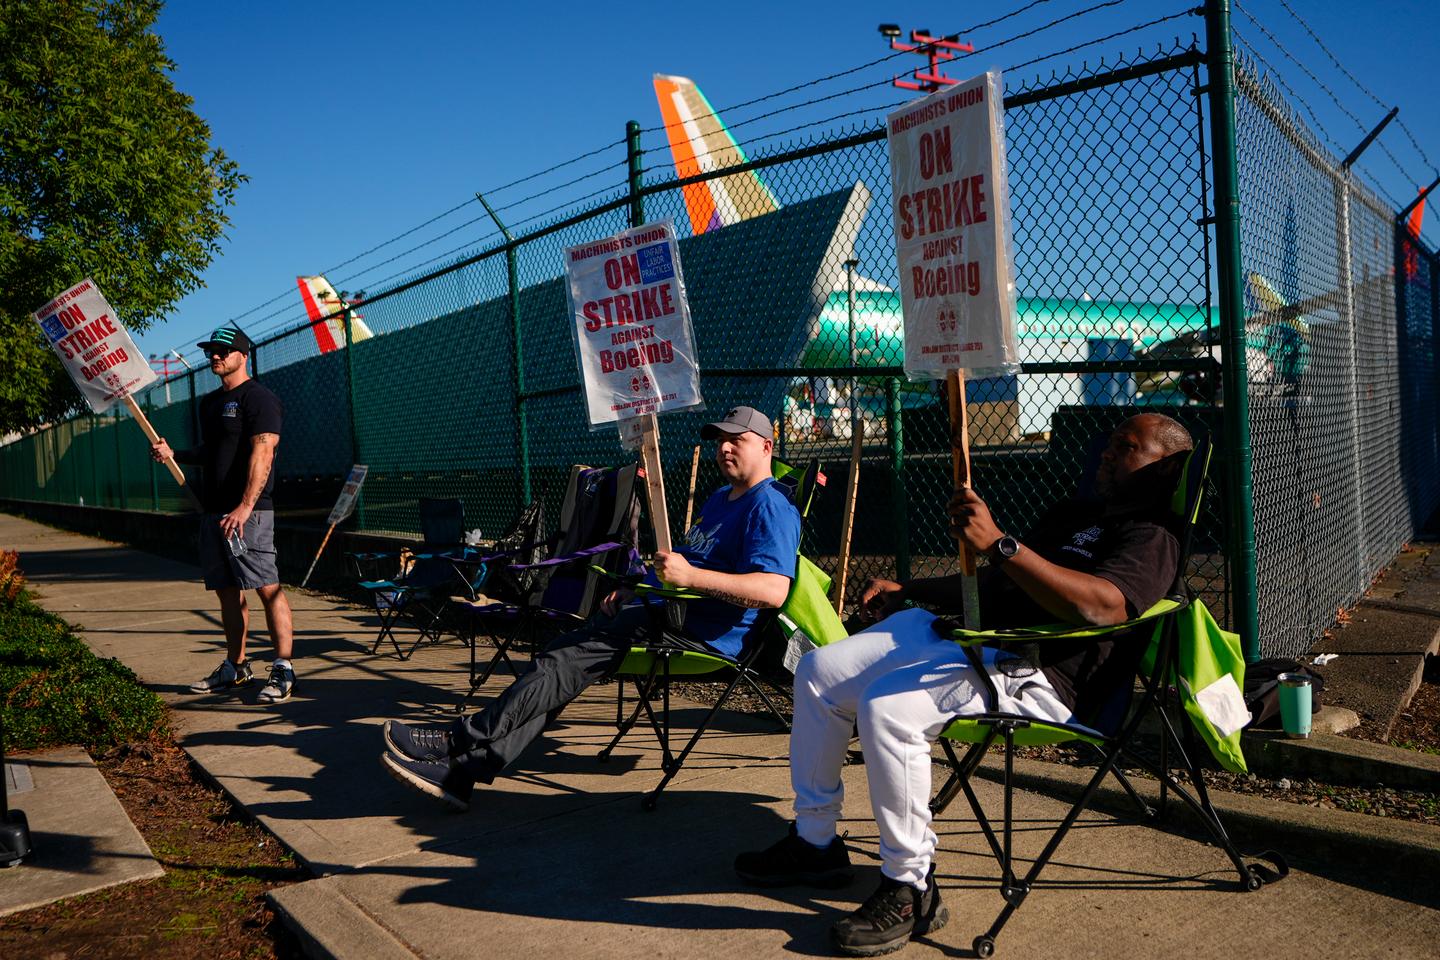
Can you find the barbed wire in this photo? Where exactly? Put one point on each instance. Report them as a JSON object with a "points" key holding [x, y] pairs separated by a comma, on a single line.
{"points": [[1355, 80], [1322, 85], [890, 56], [1192, 11]]}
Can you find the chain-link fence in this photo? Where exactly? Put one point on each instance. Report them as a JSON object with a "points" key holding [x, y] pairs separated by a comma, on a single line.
{"points": [[469, 388]]}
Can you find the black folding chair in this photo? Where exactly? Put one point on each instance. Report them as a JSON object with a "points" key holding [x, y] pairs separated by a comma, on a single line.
{"points": [[599, 524], [416, 593]]}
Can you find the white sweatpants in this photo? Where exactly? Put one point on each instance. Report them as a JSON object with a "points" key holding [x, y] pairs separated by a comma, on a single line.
{"points": [[903, 683]]}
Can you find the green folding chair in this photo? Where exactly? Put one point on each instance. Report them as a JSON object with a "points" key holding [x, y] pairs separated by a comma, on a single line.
{"points": [[1171, 623], [651, 668]]}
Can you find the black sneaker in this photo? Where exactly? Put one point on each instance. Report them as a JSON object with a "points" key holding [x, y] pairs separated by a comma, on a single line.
{"points": [[793, 861], [894, 913], [436, 778], [224, 677], [417, 743]]}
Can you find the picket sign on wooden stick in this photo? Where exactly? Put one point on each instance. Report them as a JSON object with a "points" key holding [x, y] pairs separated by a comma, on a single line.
{"points": [[847, 519], [655, 484], [690, 501], [170, 463]]}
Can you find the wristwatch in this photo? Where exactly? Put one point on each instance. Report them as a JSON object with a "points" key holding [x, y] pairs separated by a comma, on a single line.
{"points": [[1004, 548]]}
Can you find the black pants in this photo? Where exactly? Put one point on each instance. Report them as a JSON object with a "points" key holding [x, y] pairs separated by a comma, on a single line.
{"points": [[485, 743]]}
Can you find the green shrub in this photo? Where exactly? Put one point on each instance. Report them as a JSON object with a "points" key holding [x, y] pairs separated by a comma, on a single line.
{"points": [[55, 691]]}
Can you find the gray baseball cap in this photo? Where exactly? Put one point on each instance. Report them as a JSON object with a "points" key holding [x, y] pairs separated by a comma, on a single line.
{"points": [[739, 420]]}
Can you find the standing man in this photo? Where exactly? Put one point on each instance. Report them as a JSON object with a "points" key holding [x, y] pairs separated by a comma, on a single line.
{"points": [[740, 554], [239, 431]]}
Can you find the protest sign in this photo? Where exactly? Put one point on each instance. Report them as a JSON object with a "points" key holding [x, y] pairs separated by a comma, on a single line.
{"points": [[93, 347], [633, 338], [344, 506], [951, 205], [97, 352], [345, 503], [952, 222]]}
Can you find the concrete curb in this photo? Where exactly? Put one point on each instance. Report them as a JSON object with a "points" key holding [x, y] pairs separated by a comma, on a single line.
{"points": [[1302, 834], [332, 927]]}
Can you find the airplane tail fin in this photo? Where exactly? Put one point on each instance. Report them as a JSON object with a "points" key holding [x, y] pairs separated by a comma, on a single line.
{"points": [[321, 301], [699, 143]]}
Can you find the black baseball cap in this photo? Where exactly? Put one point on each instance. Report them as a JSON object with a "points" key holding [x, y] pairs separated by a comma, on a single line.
{"points": [[230, 338], [739, 420]]}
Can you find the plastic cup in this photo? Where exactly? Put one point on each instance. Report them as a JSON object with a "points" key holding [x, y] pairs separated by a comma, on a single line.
{"points": [[1295, 704]]}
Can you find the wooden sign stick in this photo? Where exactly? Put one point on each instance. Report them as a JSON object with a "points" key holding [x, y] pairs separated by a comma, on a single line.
{"points": [[170, 463], [960, 469], [847, 519], [317, 554], [690, 502], [655, 484]]}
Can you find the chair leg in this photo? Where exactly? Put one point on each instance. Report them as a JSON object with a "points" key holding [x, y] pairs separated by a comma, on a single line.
{"points": [[643, 690], [387, 616], [752, 679], [649, 801]]}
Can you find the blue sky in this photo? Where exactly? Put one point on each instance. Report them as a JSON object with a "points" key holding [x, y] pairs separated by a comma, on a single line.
{"points": [[358, 121]]}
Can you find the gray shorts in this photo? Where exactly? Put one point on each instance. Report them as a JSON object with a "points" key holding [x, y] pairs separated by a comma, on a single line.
{"points": [[253, 567]]}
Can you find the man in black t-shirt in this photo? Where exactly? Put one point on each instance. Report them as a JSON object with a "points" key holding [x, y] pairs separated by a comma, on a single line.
{"points": [[239, 433], [901, 681]]}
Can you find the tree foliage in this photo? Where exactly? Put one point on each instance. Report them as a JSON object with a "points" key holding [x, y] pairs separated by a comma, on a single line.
{"points": [[105, 172]]}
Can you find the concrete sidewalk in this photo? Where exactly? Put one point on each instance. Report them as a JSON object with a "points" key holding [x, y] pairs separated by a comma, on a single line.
{"points": [[560, 857]]}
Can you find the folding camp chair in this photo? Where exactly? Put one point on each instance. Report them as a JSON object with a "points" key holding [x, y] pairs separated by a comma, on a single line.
{"points": [[599, 523], [416, 593], [651, 667], [1161, 665]]}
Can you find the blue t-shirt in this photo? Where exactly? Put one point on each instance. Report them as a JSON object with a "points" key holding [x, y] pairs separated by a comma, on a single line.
{"points": [[759, 532]]}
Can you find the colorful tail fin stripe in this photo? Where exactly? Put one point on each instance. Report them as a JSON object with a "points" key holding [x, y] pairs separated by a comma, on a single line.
{"points": [[322, 301], [699, 143]]}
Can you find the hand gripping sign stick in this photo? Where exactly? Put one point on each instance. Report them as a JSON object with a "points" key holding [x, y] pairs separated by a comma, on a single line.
{"points": [[655, 484], [169, 462], [960, 472], [847, 520], [97, 352]]}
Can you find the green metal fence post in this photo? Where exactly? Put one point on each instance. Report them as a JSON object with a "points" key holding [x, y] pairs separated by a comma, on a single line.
{"points": [[632, 165], [1240, 506], [517, 353], [900, 501]]}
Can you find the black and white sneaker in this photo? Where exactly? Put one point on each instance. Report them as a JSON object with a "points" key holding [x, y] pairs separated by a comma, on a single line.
{"points": [[281, 685], [441, 779], [792, 861], [224, 677], [416, 742], [892, 915]]}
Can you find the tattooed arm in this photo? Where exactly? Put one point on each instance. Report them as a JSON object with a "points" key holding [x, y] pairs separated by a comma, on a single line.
{"points": [[742, 589], [262, 456]]}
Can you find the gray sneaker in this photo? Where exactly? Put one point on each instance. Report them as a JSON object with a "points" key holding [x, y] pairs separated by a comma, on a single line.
{"points": [[281, 685], [224, 677]]}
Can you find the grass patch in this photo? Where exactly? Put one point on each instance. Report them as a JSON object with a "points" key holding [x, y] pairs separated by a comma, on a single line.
{"points": [[53, 690]]}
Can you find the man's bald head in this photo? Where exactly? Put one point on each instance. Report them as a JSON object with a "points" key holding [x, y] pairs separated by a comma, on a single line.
{"points": [[1133, 457]]}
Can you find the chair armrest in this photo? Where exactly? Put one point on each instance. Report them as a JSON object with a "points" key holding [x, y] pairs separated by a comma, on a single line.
{"points": [[636, 582], [569, 557], [1057, 631]]}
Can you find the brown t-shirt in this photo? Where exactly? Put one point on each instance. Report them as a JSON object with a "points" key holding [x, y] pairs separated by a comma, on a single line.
{"points": [[1133, 548]]}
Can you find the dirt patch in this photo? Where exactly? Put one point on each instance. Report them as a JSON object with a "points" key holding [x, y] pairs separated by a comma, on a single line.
{"points": [[1418, 725], [211, 900]]}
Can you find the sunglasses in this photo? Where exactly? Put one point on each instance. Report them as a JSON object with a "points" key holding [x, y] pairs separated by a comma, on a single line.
{"points": [[221, 352]]}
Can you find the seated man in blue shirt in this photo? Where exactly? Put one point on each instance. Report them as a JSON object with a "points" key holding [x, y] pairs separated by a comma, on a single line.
{"points": [[740, 554]]}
